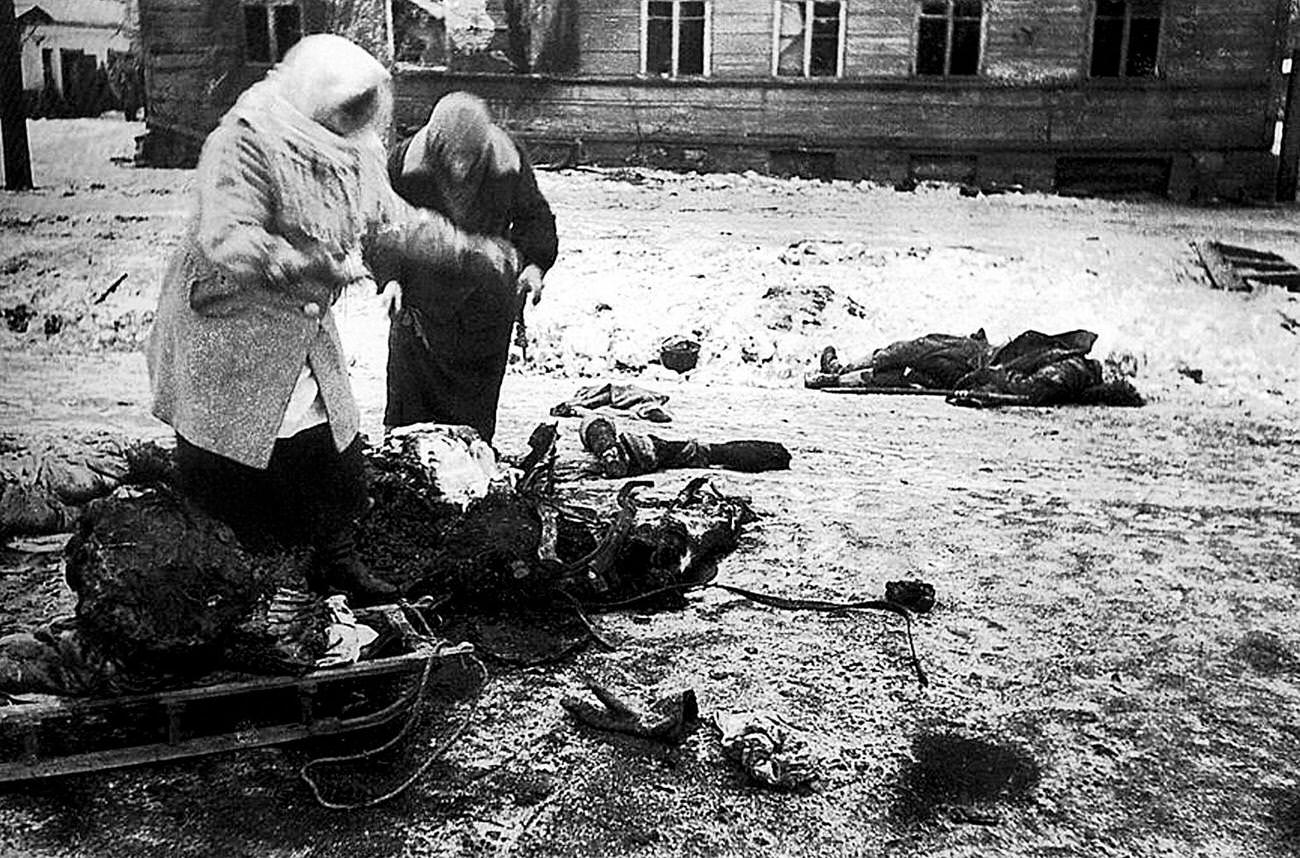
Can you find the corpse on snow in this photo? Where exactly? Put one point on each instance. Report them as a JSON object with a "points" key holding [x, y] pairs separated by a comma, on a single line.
{"points": [[1032, 369]]}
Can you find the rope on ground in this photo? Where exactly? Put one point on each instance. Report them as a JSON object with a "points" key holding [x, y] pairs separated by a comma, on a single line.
{"points": [[435, 754], [821, 605], [789, 605], [573, 647]]}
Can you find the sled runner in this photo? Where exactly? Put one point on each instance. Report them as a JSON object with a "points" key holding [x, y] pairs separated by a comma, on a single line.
{"points": [[50, 736]]}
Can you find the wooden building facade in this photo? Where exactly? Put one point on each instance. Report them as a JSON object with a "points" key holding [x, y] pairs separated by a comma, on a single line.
{"points": [[1181, 96], [199, 55]]}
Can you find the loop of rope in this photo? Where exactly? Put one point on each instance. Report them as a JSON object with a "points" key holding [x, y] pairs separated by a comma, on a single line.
{"points": [[592, 634], [436, 753], [787, 604]]}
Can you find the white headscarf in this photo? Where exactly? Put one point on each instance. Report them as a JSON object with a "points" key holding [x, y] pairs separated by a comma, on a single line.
{"points": [[318, 116], [323, 73]]}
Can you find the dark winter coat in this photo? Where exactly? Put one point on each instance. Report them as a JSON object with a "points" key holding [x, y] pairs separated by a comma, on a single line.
{"points": [[449, 346]]}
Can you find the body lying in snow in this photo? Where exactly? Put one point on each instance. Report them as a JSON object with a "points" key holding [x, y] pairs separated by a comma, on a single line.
{"points": [[1032, 369]]}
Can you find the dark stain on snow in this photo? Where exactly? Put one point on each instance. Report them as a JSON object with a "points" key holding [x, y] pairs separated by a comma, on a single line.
{"points": [[1265, 652], [1286, 814], [954, 771]]}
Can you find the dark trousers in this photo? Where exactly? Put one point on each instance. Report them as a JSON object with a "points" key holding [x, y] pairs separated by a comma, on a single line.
{"points": [[309, 493], [449, 369]]}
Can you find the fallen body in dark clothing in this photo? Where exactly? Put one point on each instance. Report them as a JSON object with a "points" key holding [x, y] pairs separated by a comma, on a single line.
{"points": [[1032, 369], [629, 454]]}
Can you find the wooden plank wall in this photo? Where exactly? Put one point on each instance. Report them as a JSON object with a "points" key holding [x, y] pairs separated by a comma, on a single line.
{"points": [[880, 38], [742, 38], [1220, 38], [609, 37], [909, 114], [1035, 41], [194, 61], [1219, 93]]}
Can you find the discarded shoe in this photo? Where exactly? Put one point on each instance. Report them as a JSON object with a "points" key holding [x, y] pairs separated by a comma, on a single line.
{"points": [[668, 719], [829, 362], [916, 596]]}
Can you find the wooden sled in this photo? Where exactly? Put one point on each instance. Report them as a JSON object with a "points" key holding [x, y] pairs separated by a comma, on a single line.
{"points": [[62, 735]]}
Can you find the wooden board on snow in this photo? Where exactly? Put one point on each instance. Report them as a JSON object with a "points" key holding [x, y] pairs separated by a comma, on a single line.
{"points": [[1239, 269]]}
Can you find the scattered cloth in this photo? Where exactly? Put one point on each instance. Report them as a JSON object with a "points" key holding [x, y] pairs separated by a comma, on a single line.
{"points": [[345, 637], [637, 401], [668, 719], [767, 749], [626, 454], [43, 488]]}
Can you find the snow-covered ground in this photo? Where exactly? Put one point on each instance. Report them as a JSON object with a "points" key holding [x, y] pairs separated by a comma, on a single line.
{"points": [[1117, 588], [763, 272]]}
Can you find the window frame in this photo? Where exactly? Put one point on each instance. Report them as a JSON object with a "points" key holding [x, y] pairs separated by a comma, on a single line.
{"points": [[271, 39], [950, 18], [810, 7], [1157, 73], [707, 47]]}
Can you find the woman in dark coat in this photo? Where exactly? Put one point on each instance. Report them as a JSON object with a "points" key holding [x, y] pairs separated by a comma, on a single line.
{"points": [[450, 335]]}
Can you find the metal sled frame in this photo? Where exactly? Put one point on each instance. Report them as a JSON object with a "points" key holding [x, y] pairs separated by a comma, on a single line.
{"points": [[25, 724]]}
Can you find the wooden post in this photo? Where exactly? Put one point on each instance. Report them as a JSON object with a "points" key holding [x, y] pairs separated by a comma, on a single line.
{"points": [[13, 119], [1289, 162]]}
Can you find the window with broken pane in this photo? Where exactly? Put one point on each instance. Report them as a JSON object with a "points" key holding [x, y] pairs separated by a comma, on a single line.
{"points": [[676, 37], [948, 37], [420, 33], [1126, 38], [809, 38], [270, 29]]}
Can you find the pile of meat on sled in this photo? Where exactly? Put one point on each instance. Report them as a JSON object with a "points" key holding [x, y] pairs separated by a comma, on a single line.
{"points": [[165, 595]]}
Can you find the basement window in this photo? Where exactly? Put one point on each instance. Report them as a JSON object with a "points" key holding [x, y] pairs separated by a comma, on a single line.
{"points": [[808, 39], [1126, 38], [948, 38], [674, 37], [270, 29]]}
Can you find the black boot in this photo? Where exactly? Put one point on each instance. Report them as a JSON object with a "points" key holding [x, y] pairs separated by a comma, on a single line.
{"points": [[339, 570]]}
